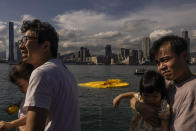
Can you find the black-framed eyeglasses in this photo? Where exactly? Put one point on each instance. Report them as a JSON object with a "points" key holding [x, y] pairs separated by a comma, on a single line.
{"points": [[25, 38]]}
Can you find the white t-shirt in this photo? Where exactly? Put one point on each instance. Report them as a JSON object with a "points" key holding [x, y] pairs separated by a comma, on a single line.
{"points": [[53, 87]]}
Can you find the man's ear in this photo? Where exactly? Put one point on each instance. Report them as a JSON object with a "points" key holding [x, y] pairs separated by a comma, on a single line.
{"points": [[184, 56], [46, 45]]}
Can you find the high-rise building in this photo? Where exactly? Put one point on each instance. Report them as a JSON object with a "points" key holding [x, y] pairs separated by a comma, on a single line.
{"points": [[133, 60], [3, 55], [124, 52], [140, 56], [108, 54], [83, 54], [146, 48], [18, 53], [186, 37], [108, 50], [11, 43]]}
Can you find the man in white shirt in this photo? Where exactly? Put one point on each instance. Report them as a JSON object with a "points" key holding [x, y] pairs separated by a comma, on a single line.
{"points": [[51, 99]]}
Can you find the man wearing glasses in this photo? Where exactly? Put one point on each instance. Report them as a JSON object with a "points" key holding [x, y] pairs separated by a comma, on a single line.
{"points": [[51, 99]]}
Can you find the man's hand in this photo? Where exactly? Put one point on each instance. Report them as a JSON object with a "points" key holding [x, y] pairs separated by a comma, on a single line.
{"points": [[149, 113], [5, 126]]}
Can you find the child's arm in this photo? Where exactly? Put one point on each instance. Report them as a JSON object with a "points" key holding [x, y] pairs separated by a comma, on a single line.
{"points": [[13, 124], [164, 116], [165, 125], [127, 95]]}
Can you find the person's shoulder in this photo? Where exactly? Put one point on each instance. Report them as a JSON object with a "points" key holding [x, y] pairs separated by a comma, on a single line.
{"points": [[49, 66], [191, 84], [191, 81]]}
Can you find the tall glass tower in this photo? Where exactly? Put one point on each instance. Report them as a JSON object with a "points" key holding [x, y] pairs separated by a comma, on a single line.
{"points": [[11, 43], [146, 47], [186, 37], [108, 54]]}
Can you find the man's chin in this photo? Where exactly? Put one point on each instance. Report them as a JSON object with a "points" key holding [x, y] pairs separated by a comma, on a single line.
{"points": [[25, 60], [168, 78]]}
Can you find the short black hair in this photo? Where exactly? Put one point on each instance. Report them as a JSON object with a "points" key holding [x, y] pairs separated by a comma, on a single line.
{"points": [[20, 71], [44, 32], [153, 81], [178, 45]]}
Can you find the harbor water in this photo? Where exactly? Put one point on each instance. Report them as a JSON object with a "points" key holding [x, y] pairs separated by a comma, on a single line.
{"points": [[96, 111]]}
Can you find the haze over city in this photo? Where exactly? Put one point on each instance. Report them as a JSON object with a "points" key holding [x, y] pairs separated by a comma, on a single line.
{"points": [[94, 24]]}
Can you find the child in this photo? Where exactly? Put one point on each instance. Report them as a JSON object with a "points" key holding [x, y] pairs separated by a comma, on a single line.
{"points": [[19, 75], [152, 91]]}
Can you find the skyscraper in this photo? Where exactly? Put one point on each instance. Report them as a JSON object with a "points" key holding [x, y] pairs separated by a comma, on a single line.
{"points": [[133, 57], [124, 52], [146, 47], [84, 53], [18, 53], [140, 56], [11, 43], [108, 54], [186, 37]]}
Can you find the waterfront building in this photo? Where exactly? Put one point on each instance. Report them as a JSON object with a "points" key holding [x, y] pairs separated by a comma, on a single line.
{"points": [[3, 55], [83, 54], [68, 58], [124, 52], [146, 48], [140, 57], [18, 53], [94, 59], [126, 61], [186, 37], [133, 59], [101, 59], [108, 54]]}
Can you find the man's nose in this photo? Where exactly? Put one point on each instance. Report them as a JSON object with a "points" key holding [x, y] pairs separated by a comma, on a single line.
{"points": [[162, 66], [21, 45]]}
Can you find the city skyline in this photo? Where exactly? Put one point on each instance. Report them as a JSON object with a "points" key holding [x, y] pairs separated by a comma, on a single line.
{"points": [[121, 24]]}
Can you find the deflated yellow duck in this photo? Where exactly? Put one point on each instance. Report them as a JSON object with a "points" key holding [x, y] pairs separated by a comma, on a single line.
{"points": [[110, 83]]}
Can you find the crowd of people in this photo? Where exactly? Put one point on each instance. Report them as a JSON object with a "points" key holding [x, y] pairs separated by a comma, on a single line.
{"points": [[165, 101]]}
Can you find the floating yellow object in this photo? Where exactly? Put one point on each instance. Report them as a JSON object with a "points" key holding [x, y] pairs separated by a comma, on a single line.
{"points": [[110, 83], [12, 109]]}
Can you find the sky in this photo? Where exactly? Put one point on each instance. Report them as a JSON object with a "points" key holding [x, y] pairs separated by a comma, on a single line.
{"points": [[95, 23]]}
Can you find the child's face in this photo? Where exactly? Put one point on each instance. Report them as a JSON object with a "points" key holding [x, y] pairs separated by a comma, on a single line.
{"points": [[22, 84], [152, 98]]}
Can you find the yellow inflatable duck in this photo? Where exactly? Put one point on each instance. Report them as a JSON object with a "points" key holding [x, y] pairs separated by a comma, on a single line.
{"points": [[110, 83]]}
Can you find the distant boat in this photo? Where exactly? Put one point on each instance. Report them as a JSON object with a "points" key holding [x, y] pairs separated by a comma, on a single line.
{"points": [[139, 71]]}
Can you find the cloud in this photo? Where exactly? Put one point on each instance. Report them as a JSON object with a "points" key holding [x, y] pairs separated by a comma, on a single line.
{"points": [[90, 28], [94, 29], [159, 33], [107, 35], [3, 26], [86, 20], [27, 17]]}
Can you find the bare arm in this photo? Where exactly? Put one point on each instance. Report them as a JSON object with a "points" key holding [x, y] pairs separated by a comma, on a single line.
{"points": [[127, 95], [164, 116], [164, 125], [13, 124], [36, 119]]}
